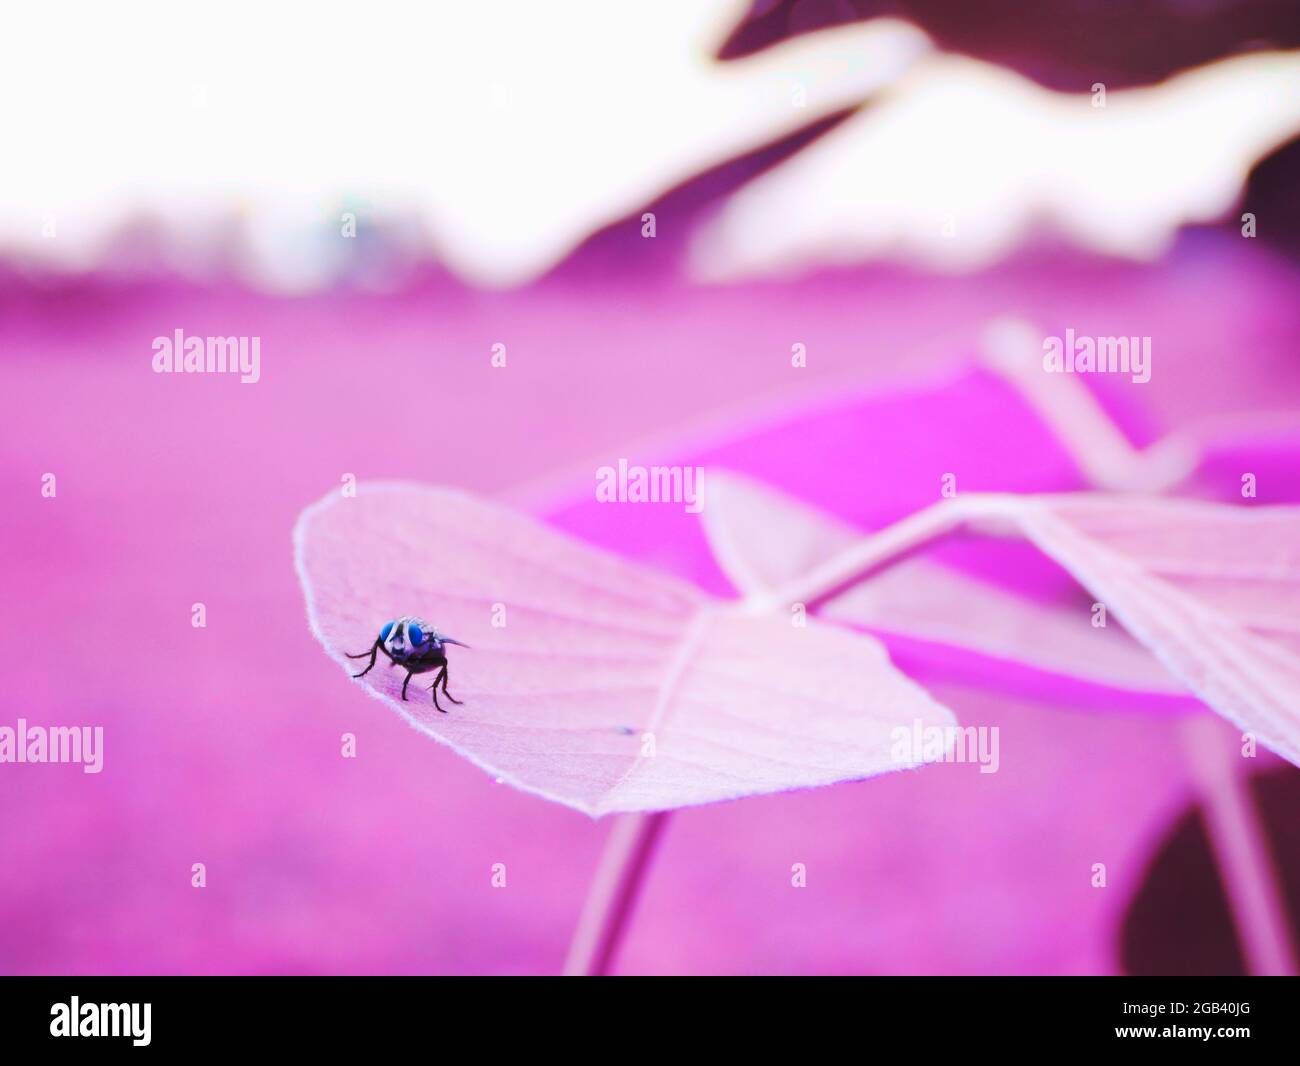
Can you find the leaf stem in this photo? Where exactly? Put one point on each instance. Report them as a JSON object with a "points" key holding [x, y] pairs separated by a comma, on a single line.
{"points": [[1240, 846], [1014, 348], [612, 897], [879, 549]]}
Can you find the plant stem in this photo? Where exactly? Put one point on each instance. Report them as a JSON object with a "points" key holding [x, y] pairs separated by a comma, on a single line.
{"points": [[1014, 349], [884, 546], [1241, 850], [614, 889]]}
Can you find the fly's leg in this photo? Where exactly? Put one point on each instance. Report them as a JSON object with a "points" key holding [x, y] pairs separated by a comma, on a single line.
{"points": [[409, 674], [373, 653], [434, 689], [443, 677]]}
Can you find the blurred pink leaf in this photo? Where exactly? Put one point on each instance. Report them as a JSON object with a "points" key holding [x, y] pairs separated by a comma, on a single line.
{"points": [[764, 539], [1212, 589], [610, 687]]}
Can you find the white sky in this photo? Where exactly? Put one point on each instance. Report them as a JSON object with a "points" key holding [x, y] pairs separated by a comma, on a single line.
{"points": [[515, 133]]}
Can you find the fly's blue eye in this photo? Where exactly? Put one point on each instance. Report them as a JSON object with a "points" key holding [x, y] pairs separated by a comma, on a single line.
{"points": [[383, 633], [416, 634]]}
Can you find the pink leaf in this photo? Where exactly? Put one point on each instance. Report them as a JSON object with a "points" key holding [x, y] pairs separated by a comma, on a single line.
{"points": [[1213, 590], [610, 687], [764, 540]]}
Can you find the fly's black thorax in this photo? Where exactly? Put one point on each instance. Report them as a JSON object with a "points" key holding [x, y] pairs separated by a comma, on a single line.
{"points": [[429, 660]]}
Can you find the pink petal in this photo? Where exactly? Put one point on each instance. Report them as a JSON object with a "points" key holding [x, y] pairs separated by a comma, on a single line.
{"points": [[596, 653]]}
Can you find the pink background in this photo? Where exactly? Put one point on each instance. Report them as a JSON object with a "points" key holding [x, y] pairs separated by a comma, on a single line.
{"points": [[223, 744]]}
